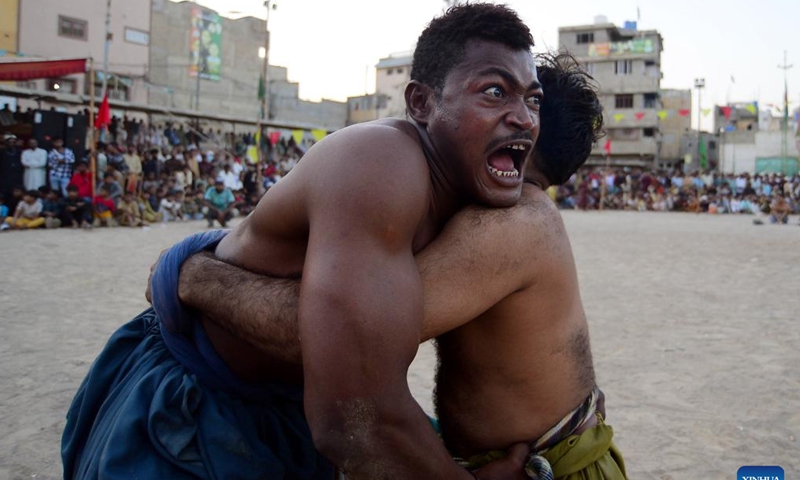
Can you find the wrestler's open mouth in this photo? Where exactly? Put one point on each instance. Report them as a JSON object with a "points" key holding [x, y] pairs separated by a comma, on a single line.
{"points": [[506, 160]]}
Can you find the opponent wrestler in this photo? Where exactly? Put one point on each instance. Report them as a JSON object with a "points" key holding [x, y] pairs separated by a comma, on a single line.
{"points": [[187, 399], [517, 364]]}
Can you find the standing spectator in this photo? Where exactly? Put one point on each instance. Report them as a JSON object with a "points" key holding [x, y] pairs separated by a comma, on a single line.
{"points": [[77, 209], [52, 207], [104, 208], [230, 178], [28, 213], [34, 159], [220, 203], [250, 180], [10, 165], [134, 163], [82, 179], [60, 161]]}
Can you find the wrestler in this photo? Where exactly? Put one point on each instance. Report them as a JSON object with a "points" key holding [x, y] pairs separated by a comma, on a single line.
{"points": [[184, 398], [501, 295]]}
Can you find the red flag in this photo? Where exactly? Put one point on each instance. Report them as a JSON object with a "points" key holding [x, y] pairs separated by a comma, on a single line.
{"points": [[684, 112], [104, 114], [726, 111], [274, 137], [608, 146], [639, 115]]}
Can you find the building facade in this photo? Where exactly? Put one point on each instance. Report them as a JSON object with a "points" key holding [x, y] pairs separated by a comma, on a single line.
{"points": [[55, 29], [392, 74], [626, 63], [188, 37]]}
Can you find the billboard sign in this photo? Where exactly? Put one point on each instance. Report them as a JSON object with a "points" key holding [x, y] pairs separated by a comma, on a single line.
{"points": [[205, 44]]}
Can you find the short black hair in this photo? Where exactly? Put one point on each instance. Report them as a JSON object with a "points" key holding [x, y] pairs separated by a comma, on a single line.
{"points": [[441, 45], [32, 193], [571, 117], [72, 188]]}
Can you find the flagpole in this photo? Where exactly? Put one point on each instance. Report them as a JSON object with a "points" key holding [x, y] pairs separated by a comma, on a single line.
{"points": [[93, 143]]}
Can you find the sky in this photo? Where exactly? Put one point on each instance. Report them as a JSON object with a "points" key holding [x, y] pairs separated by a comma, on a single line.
{"points": [[331, 47]]}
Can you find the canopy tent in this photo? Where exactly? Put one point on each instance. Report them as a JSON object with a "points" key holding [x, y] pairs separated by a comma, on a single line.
{"points": [[30, 70]]}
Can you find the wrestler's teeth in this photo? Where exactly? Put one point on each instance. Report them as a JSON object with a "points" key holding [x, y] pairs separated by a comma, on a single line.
{"points": [[500, 173], [516, 147]]}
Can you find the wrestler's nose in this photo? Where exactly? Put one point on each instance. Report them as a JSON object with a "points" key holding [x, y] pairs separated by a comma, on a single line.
{"points": [[520, 115]]}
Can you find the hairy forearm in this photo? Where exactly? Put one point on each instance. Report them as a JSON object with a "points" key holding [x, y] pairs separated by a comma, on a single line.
{"points": [[260, 310]]}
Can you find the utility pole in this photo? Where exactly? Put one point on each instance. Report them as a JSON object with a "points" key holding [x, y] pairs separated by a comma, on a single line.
{"points": [[699, 84], [106, 47], [785, 124]]}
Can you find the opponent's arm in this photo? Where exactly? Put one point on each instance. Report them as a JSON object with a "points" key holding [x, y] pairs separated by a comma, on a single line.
{"points": [[360, 310]]}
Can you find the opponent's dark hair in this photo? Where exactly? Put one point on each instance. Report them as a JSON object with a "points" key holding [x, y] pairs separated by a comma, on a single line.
{"points": [[441, 45], [571, 117]]}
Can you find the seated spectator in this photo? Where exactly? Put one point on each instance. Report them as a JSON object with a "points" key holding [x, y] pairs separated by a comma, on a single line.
{"points": [[220, 203], [170, 208], [779, 209], [28, 213], [3, 209], [104, 208], [76, 209], [112, 186], [150, 182], [82, 178], [52, 207], [128, 212], [149, 214]]}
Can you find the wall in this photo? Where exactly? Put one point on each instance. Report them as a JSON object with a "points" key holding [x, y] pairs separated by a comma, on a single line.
{"points": [[740, 149]]}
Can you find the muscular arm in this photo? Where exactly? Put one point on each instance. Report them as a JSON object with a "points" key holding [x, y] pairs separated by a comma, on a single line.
{"points": [[360, 309], [473, 264]]}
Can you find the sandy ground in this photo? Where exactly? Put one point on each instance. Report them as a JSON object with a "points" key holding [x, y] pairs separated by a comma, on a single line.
{"points": [[695, 324]]}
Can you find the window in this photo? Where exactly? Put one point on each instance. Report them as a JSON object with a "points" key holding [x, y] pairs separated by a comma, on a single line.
{"points": [[389, 71], [712, 145], [585, 38], [623, 67], [399, 70], [623, 101], [72, 28], [61, 85], [143, 38], [650, 100], [626, 134], [649, 132], [589, 67]]}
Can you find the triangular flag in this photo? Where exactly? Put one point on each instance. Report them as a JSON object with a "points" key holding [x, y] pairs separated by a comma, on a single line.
{"points": [[103, 114], [639, 115], [618, 116], [608, 146], [750, 108], [252, 154], [274, 137], [298, 136], [684, 112], [726, 111], [706, 112], [662, 114], [318, 134]]}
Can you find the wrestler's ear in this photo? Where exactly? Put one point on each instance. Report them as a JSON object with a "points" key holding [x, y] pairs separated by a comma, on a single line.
{"points": [[420, 100]]}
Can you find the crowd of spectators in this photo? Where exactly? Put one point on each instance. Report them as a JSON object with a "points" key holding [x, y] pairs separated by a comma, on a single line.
{"points": [[774, 195], [145, 174]]}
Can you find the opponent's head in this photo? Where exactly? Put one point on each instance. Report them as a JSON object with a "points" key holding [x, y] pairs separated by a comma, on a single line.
{"points": [[474, 89], [571, 115]]}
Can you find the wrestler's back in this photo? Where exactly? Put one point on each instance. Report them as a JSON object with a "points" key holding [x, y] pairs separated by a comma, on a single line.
{"points": [[519, 368]]}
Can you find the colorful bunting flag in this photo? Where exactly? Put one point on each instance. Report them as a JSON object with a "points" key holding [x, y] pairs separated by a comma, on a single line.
{"points": [[274, 137], [318, 134], [639, 115], [662, 114], [750, 108], [298, 136], [608, 146], [706, 112], [618, 117], [684, 112], [726, 112]]}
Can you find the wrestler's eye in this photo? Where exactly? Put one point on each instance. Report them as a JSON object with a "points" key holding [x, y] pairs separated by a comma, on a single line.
{"points": [[494, 91], [534, 101]]}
